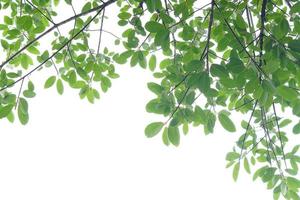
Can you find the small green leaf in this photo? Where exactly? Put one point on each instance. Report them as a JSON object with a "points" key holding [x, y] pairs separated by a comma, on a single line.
{"points": [[25, 22], [59, 87], [155, 88], [294, 45], [173, 135], [33, 50], [293, 183], [232, 156], [235, 172], [50, 82], [165, 137], [296, 8], [153, 26], [4, 111], [4, 44], [240, 22], [226, 121], [285, 122], [152, 62], [86, 7], [185, 128], [194, 65], [247, 166], [287, 93], [296, 128], [204, 82], [23, 111], [29, 93], [153, 129]]}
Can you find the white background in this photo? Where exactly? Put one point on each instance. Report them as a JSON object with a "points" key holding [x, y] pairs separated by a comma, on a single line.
{"points": [[74, 150]]}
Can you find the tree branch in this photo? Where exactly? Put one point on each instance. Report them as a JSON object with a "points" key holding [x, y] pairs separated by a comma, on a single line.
{"points": [[54, 27], [57, 51]]}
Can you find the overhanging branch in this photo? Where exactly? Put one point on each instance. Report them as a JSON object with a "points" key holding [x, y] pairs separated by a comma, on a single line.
{"points": [[54, 27]]}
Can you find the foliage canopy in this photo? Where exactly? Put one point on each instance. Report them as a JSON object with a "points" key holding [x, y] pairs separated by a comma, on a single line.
{"points": [[218, 59]]}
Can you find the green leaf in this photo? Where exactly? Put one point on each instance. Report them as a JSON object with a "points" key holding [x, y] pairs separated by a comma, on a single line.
{"points": [[185, 128], [5, 44], [285, 122], [155, 88], [204, 82], [29, 94], [173, 135], [296, 109], [162, 39], [4, 111], [69, 2], [226, 121], [235, 65], [231, 156], [194, 65], [86, 7], [56, 2], [294, 45], [26, 61], [165, 137], [59, 87], [200, 116], [25, 22], [153, 129], [276, 192], [293, 195], [150, 5], [50, 82], [247, 166], [282, 28], [154, 27], [23, 111], [267, 174], [90, 95], [240, 22], [296, 128], [235, 172], [33, 50], [287, 93], [283, 188], [152, 62], [293, 183], [218, 71], [296, 8]]}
